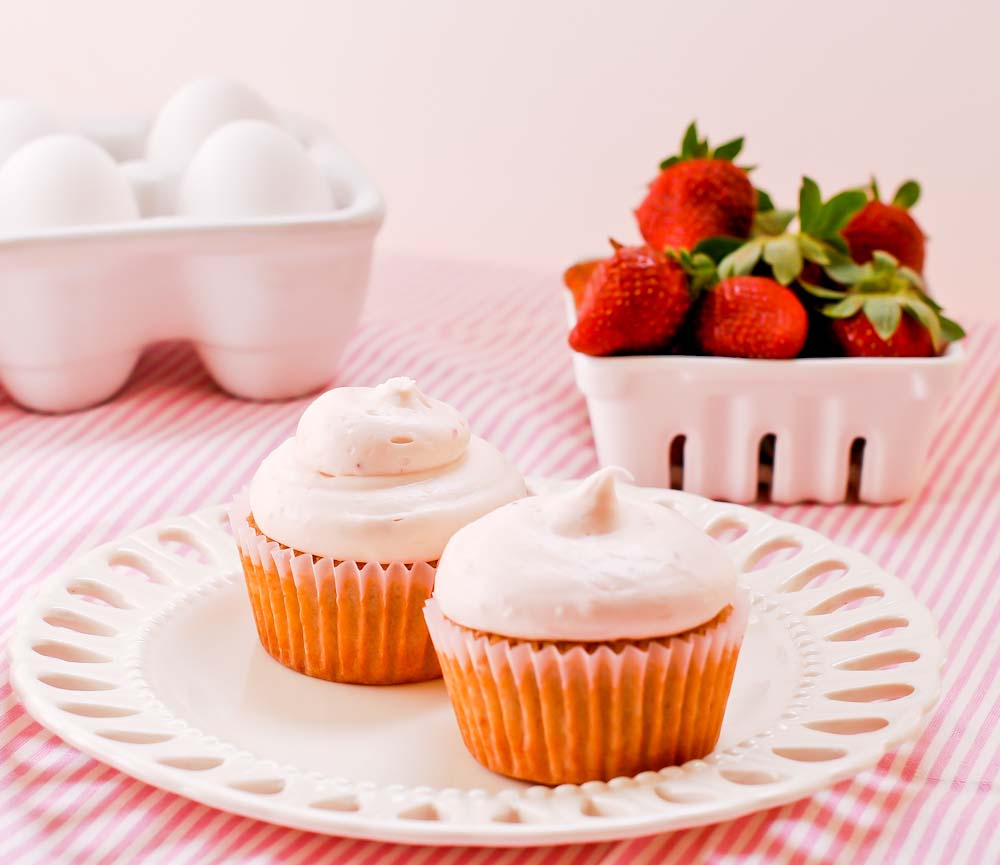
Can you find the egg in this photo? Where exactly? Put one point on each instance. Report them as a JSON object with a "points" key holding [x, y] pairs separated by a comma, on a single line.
{"points": [[194, 112], [339, 170], [62, 180], [252, 169], [21, 122]]}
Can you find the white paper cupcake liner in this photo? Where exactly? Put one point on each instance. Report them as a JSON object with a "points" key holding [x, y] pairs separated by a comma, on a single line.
{"points": [[563, 712], [344, 621]]}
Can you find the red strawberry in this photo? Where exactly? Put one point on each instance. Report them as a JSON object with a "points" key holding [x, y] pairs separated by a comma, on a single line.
{"points": [[751, 316], [888, 227], [697, 195], [635, 301], [577, 278], [859, 338], [886, 313]]}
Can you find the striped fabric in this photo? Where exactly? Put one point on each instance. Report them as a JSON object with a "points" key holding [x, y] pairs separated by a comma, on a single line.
{"points": [[491, 342]]}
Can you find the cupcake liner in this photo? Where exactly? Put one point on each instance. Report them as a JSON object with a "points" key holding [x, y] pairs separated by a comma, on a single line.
{"points": [[343, 621], [564, 712]]}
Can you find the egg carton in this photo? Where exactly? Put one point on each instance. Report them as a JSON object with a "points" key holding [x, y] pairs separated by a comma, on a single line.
{"points": [[245, 230], [811, 429]]}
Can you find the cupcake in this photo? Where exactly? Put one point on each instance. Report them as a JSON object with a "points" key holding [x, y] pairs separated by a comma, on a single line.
{"points": [[340, 533], [586, 635]]}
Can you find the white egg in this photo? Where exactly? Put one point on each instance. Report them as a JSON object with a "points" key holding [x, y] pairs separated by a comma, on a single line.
{"points": [[249, 169], [195, 111], [21, 122], [62, 180], [339, 170]]}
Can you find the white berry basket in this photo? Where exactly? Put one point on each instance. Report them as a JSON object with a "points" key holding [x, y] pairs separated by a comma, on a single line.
{"points": [[269, 303], [809, 429]]}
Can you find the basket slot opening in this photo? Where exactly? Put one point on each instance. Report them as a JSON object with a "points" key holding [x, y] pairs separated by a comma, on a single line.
{"points": [[855, 462], [676, 466], [765, 466]]}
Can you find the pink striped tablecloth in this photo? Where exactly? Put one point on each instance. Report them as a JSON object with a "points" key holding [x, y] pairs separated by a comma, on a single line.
{"points": [[490, 341]]}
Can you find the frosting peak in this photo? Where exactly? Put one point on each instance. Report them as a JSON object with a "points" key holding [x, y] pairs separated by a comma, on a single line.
{"points": [[592, 507], [601, 562], [400, 391], [391, 429]]}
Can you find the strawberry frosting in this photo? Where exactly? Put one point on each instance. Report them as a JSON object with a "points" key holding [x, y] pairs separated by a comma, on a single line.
{"points": [[379, 474], [596, 563]]}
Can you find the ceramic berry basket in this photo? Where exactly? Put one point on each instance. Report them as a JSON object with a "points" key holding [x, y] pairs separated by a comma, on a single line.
{"points": [[812, 429]]}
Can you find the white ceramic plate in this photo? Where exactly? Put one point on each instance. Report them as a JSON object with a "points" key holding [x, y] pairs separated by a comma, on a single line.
{"points": [[142, 653]]}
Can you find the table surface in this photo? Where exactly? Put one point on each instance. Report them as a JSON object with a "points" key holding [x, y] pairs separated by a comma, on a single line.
{"points": [[490, 341]]}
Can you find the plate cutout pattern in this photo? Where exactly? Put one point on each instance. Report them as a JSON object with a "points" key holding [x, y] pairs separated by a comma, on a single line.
{"points": [[868, 658]]}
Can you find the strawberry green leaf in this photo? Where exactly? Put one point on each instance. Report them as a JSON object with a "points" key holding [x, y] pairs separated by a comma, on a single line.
{"points": [[700, 270], [951, 331], [916, 281], [838, 243], [837, 212], [742, 260], [884, 262], [700, 281], [764, 202], [907, 195], [928, 318], [926, 298], [810, 203], [701, 261], [784, 256], [884, 313], [772, 222], [689, 144], [873, 186], [842, 269], [845, 308], [693, 147], [813, 250], [821, 291], [717, 248], [730, 150]]}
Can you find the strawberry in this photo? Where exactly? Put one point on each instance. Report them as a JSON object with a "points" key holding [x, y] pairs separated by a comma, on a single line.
{"points": [[886, 313], [635, 301], [751, 316], [888, 227], [577, 278], [859, 338], [698, 194]]}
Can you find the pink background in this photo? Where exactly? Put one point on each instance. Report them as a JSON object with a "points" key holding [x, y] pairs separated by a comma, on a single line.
{"points": [[524, 131]]}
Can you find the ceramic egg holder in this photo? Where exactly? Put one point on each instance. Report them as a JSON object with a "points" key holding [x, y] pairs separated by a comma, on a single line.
{"points": [[246, 231]]}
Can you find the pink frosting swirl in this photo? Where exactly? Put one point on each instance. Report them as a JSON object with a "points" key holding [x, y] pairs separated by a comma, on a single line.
{"points": [[392, 429], [379, 474], [597, 563]]}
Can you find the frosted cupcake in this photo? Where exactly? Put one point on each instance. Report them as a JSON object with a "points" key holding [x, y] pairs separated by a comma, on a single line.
{"points": [[340, 534], [586, 635]]}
